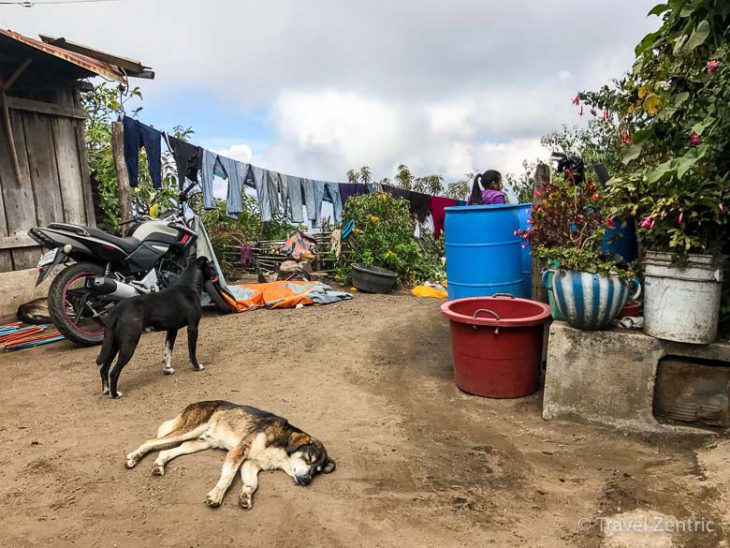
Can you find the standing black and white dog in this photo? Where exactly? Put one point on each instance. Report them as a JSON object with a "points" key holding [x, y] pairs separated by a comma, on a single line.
{"points": [[169, 310]]}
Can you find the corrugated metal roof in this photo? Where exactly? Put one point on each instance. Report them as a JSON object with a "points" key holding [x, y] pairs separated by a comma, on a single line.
{"points": [[89, 64]]}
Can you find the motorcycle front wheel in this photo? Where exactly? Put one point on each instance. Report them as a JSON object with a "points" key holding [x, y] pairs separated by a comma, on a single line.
{"points": [[74, 310]]}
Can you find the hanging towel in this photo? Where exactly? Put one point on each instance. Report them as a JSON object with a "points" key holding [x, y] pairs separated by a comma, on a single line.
{"points": [[136, 135], [188, 159], [348, 190], [438, 204]]}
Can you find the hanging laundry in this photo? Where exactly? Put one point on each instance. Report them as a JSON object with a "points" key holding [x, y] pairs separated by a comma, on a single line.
{"points": [[348, 190], [309, 201], [295, 199], [438, 204], [235, 172], [188, 159], [136, 135], [283, 190], [268, 186], [420, 203], [329, 192]]}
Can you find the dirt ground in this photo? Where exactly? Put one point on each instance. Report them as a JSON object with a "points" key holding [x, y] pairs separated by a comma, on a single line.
{"points": [[418, 462]]}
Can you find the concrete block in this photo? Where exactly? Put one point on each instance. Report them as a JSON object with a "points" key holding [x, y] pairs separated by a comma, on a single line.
{"points": [[607, 377], [17, 288]]}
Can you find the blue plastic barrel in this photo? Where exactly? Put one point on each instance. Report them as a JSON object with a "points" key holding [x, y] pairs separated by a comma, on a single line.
{"points": [[483, 254], [523, 213], [621, 240]]}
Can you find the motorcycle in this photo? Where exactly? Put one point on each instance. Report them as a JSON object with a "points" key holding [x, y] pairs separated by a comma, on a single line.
{"points": [[100, 269]]}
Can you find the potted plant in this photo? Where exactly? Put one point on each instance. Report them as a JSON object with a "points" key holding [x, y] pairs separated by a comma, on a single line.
{"points": [[674, 114], [567, 230]]}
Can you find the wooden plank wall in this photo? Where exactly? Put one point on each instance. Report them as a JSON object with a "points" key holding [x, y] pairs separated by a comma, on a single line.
{"points": [[54, 165]]}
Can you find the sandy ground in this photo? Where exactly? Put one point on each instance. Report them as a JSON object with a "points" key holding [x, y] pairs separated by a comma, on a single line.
{"points": [[418, 462]]}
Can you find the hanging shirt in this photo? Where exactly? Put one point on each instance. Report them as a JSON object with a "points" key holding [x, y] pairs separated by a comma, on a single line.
{"points": [[188, 159]]}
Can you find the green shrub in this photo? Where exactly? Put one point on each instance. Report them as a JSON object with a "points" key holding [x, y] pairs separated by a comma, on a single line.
{"points": [[383, 236]]}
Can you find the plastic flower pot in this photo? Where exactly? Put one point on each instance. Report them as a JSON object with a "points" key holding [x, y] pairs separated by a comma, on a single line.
{"points": [[547, 283], [373, 279], [590, 301]]}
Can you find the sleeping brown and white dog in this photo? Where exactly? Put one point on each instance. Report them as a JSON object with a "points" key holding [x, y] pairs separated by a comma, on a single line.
{"points": [[255, 441]]}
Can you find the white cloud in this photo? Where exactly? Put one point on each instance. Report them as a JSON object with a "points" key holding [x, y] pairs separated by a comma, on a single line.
{"points": [[445, 88], [241, 152]]}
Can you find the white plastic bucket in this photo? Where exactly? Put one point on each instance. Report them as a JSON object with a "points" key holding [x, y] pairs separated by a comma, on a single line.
{"points": [[682, 303]]}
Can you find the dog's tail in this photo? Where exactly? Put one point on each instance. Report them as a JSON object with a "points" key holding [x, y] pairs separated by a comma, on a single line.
{"points": [[109, 346]]}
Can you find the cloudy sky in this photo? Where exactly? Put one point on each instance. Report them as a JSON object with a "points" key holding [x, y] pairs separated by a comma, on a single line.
{"points": [[316, 88]]}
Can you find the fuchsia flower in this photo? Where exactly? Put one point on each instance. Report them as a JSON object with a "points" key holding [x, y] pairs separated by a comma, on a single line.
{"points": [[576, 100], [529, 221], [712, 65], [722, 207], [595, 196], [605, 114], [694, 139], [580, 112], [609, 223], [647, 223], [681, 217], [537, 193]]}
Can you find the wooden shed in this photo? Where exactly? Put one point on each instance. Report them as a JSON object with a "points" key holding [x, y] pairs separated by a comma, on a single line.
{"points": [[44, 171]]}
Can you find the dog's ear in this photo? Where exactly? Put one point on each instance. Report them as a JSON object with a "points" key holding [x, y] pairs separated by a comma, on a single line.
{"points": [[329, 466], [297, 440]]}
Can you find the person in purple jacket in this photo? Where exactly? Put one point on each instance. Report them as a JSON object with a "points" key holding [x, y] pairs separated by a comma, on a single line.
{"points": [[490, 191]]}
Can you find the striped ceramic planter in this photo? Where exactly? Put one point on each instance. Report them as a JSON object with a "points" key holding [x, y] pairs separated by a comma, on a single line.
{"points": [[591, 301]]}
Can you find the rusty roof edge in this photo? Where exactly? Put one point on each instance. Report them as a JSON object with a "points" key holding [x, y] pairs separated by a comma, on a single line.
{"points": [[132, 67], [90, 64]]}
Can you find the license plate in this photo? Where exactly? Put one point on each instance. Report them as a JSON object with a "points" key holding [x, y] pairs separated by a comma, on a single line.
{"points": [[48, 257]]}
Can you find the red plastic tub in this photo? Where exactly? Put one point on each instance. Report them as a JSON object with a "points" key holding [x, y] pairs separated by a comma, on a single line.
{"points": [[497, 344]]}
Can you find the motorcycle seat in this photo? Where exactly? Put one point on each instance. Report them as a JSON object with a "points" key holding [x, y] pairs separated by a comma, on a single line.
{"points": [[128, 244]]}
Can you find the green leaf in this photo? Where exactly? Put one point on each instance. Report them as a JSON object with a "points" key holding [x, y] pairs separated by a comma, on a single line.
{"points": [[685, 164], [658, 9], [679, 44], [632, 153], [687, 11], [699, 36], [646, 43], [659, 172], [643, 134], [699, 127]]}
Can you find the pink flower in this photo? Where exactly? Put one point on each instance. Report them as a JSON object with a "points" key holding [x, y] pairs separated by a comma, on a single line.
{"points": [[580, 112], [712, 66], [609, 223], [595, 196], [681, 218], [605, 114], [694, 139], [722, 207], [576, 100], [537, 193], [647, 223], [529, 221]]}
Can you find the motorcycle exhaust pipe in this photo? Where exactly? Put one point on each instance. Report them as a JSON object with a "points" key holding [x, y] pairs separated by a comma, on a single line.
{"points": [[112, 289]]}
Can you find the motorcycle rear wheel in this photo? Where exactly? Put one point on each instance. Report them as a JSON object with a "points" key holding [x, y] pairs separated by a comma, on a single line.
{"points": [[75, 312]]}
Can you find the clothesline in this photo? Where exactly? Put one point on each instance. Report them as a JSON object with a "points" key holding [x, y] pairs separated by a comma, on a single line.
{"points": [[277, 193]]}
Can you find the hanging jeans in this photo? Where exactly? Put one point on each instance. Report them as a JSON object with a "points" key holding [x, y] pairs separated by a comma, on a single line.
{"points": [[309, 201], [331, 191], [136, 135], [294, 185], [267, 191], [282, 184]]}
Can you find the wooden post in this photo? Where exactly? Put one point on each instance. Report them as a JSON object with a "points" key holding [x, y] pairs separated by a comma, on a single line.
{"points": [[124, 190], [4, 86], [542, 176]]}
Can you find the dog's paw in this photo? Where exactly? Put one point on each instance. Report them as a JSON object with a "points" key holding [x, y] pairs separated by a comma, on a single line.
{"points": [[214, 499], [158, 470], [245, 502], [132, 460], [118, 395], [105, 390], [199, 367], [168, 371]]}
